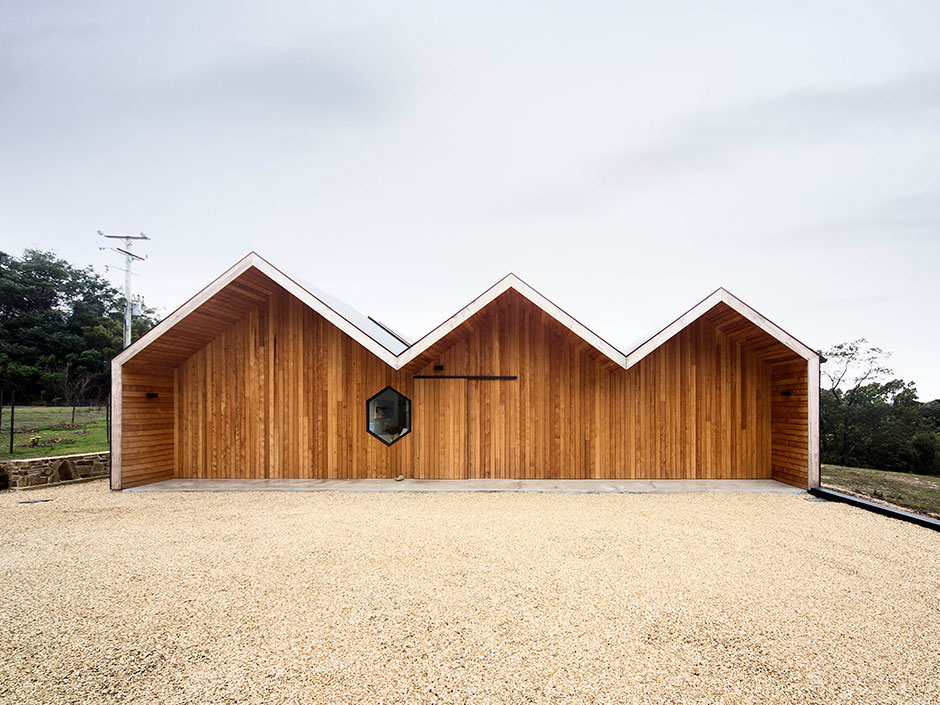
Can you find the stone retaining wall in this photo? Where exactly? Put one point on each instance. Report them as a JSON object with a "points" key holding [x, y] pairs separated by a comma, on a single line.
{"points": [[49, 471]]}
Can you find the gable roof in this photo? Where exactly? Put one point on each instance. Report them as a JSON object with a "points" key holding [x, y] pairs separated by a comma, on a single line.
{"points": [[648, 344], [380, 333], [398, 351], [511, 281], [360, 328]]}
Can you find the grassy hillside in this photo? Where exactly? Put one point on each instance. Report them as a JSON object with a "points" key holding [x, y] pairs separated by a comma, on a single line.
{"points": [[41, 431], [920, 493]]}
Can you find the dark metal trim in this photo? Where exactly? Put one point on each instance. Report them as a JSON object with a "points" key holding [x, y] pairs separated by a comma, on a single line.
{"points": [[465, 377], [388, 330], [918, 519], [410, 417]]}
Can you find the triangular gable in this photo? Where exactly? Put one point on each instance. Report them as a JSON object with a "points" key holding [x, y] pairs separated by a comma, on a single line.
{"points": [[393, 349], [721, 295], [253, 260], [510, 281]]}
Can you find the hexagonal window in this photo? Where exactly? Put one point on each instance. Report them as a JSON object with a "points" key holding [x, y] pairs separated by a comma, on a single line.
{"points": [[388, 415]]}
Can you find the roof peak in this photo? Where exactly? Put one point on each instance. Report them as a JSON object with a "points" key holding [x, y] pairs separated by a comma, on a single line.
{"points": [[397, 351]]}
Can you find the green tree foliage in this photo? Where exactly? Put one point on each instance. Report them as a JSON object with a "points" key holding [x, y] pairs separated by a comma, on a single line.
{"points": [[869, 420], [60, 326]]}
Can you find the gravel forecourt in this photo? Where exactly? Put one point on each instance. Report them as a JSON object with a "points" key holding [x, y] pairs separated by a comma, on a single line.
{"points": [[335, 597]]}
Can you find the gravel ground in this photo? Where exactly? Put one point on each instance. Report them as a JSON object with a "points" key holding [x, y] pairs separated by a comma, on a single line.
{"points": [[476, 598]]}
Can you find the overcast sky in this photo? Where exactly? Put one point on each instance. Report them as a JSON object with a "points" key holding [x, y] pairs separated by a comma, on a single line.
{"points": [[625, 159]]}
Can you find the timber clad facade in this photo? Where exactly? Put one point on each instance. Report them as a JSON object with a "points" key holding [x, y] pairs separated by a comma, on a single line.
{"points": [[258, 378]]}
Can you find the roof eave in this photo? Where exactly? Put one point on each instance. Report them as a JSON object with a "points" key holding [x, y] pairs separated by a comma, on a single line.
{"points": [[510, 281], [186, 308], [720, 295], [255, 261], [414, 351]]}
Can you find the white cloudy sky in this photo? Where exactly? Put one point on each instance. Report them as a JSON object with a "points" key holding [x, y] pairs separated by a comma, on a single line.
{"points": [[624, 158]]}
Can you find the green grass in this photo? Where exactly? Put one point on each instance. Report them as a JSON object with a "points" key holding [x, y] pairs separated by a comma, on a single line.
{"points": [[53, 426], [919, 493]]}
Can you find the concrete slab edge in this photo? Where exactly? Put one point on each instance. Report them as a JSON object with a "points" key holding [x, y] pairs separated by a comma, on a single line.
{"points": [[470, 490]]}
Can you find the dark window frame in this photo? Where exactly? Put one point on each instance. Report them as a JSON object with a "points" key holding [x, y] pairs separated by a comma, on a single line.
{"points": [[376, 396]]}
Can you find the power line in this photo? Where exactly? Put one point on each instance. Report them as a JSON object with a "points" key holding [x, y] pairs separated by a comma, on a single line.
{"points": [[129, 257]]}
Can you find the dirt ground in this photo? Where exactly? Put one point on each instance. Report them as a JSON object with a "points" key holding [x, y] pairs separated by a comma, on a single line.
{"points": [[905, 491], [462, 598]]}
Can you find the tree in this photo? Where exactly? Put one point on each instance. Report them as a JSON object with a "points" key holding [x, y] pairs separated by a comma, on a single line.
{"points": [[848, 367], [868, 422], [74, 382], [56, 317]]}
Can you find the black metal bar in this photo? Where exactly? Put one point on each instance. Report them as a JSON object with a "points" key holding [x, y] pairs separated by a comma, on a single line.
{"points": [[834, 496], [465, 377]]}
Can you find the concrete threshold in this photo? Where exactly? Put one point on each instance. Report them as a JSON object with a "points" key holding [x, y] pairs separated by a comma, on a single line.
{"points": [[491, 485]]}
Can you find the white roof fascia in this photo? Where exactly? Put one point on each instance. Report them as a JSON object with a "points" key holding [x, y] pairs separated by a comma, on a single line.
{"points": [[569, 322], [276, 275], [364, 323], [344, 324], [767, 325], [510, 281], [719, 296], [195, 302]]}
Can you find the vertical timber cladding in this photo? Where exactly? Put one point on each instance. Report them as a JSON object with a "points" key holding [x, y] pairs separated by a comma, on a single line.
{"points": [[697, 407], [147, 424], [281, 394], [439, 417], [790, 422]]}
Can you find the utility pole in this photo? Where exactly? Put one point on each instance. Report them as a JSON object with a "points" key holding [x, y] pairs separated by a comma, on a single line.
{"points": [[129, 258]]}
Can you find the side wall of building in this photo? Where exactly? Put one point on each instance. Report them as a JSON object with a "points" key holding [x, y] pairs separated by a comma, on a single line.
{"points": [[789, 458], [147, 430]]}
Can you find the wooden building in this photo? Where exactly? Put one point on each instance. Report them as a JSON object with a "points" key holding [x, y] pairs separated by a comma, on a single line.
{"points": [[259, 376]]}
